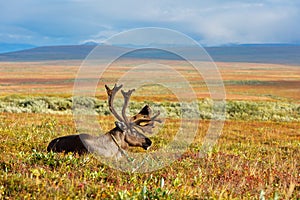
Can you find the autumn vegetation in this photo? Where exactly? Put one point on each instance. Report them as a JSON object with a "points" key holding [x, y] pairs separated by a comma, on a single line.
{"points": [[256, 157]]}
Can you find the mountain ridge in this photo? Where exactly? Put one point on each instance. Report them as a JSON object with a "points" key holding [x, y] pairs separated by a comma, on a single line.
{"points": [[11, 47], [260, 53]]}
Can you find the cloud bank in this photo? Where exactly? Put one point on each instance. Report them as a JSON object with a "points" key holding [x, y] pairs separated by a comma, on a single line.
{"points": [[215, 22]]}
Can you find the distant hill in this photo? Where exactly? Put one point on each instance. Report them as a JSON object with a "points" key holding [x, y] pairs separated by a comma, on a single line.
{"points": [[282, 54], [7, 47], [277, 54], [48, 53]]}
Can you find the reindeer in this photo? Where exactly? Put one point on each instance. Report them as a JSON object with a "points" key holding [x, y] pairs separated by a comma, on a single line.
{"points": [[127, 132]]}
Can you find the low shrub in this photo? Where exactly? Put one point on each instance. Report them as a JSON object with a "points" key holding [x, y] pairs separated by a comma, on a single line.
{"points": [[207, 108]]}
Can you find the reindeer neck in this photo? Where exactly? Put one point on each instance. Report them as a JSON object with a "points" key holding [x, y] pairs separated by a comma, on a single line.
{"points": [[118, 137]]}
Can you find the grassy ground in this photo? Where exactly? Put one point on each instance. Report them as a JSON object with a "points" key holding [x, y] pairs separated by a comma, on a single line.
{"points": [[234, 110], [243, 81], [250, 159], [257, 155]]}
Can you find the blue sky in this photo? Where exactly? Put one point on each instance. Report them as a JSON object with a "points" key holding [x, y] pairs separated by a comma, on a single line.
{"points": [[213, 22]]}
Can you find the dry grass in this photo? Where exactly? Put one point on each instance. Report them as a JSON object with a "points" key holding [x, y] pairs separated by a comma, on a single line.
{"points": [[250, 157], [243, 81]]}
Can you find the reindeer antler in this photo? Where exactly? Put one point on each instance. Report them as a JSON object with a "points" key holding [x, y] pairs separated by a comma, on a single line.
{"points": [[126, 96], [142, 120], [111, 96]]}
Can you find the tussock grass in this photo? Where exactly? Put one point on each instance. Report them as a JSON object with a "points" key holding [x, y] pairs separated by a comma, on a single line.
{"points": [[250, 159], [235, 110]]}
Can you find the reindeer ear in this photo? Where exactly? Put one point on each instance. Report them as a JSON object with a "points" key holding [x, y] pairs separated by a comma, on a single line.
{"points": [[146, 110], [121, 126], [144, 114]]}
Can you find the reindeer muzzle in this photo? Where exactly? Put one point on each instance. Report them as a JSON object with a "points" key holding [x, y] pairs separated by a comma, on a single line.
{"points": [[146, 145]]}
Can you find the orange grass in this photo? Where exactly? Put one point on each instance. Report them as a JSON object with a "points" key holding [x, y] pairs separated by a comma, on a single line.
{"points": [[57, 79], [249, 157]]}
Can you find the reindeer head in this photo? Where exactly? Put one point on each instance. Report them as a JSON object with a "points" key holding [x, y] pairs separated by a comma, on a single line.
{"points": [[134, 127]]}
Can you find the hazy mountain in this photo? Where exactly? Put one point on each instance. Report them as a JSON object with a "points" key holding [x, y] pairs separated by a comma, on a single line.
{"points": [[261, 53], [48, 53], [7, 47], [281, 54], [90, 43]]}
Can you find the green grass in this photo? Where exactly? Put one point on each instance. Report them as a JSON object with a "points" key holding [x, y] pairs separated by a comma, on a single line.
{"points": [[250, 159], [235, 110], [248, 82]]}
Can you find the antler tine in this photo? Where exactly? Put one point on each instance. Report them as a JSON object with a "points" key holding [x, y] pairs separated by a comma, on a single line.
{"points": [[146, 129], [111, 95], [155, 116], [126, 96]]}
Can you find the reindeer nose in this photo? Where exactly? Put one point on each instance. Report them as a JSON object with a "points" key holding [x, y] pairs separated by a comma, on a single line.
{"points": [[148, 141], [147, 144]]}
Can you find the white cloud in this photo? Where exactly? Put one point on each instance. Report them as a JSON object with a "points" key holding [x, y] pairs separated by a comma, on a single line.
{"points": [[210, 22], [247, 23]]}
